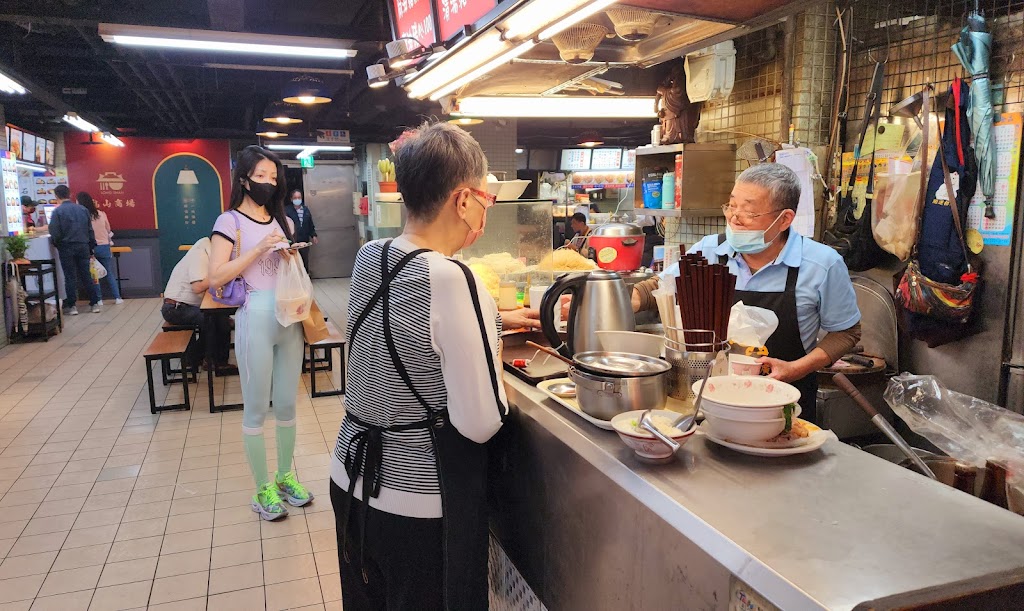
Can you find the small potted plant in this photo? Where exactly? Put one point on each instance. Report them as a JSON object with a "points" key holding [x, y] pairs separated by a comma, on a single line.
{"points": [[387, 183], [17, 246]]}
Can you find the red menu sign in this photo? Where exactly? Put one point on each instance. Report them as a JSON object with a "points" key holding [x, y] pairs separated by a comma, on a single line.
{"points": [[414, 19], [454, 14]]}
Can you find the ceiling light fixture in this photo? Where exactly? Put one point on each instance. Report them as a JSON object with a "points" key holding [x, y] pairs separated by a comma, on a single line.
{"points": [[377, 75], [519, 151], [456, 64], [566, 107], [232, 42], [280, 113], [589, 139], [504, 58], [9, 85], [549, 18], [465, 121], [111, 139], [187, 177], [406, 52], [269, 133], [80, 123], [319, 147], [306, 89]]}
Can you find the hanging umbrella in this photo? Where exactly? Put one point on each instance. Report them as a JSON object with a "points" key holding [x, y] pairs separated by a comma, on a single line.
{"points": [[974, 49]]}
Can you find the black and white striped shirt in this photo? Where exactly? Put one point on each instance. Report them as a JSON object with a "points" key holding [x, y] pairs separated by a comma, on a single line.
{"points": [[437, 337]]}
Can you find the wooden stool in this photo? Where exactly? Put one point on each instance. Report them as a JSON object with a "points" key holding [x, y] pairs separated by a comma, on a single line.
{"points": [[166, 346], [326, 362]]}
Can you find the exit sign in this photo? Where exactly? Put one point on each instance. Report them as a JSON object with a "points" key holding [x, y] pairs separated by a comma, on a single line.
{"points": [[307, 161]]}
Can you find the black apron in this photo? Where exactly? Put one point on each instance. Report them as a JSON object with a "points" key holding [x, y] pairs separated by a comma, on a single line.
{"points": [[785, 343], [461, 463]]}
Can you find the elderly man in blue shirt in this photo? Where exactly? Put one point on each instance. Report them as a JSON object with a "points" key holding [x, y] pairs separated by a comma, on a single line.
{"points": [[805, 283]]}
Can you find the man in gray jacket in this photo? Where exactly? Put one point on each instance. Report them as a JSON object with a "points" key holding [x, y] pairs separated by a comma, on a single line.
{"points": [[72, 235]]}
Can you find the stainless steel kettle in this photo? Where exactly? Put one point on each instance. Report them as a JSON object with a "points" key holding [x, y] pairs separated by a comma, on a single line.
{"points": [[600, 302]]}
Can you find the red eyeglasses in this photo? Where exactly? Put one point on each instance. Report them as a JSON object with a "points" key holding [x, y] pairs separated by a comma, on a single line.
{"points": [[490, 199]]}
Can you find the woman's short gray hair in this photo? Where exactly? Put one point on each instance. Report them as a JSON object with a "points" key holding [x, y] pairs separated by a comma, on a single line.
{"points": [[431, 165], [781, 182]]}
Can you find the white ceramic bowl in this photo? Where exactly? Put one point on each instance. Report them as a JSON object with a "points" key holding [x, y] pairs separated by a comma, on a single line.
{"points": [[751, 414], [744, 431], [746, 391], [507, 190], [631, 342], [743, 365], [645, 444]]}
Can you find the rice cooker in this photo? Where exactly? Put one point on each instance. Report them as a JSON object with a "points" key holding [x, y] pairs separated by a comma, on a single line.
{"points": [[618, 247]]}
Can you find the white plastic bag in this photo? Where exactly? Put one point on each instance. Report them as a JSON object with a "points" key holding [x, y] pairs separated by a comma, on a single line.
{"points": [[750, 325], [97, 270], [294, 292]]}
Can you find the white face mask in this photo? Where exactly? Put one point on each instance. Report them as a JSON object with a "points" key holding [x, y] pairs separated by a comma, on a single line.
{"points": [[296, 202]]}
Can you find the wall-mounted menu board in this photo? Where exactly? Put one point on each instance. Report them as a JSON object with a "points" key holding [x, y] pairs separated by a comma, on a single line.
{"points": [[50, 153], [575, 159], [28, 147], [452, 15], [14, 142], [629, 160], [606, 159], [414, 19]]}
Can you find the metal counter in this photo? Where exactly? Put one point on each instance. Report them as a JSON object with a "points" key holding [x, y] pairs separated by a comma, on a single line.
{"points": [[589, 526]]}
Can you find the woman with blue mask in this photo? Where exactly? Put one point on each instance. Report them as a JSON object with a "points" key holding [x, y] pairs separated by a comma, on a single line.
{"points": [[804, 282]]}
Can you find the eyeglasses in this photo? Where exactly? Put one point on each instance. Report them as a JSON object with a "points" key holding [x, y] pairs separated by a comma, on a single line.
{"points": [[484, 195], [745, 217]]}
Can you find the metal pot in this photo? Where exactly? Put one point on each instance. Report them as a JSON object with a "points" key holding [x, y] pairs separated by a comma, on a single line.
{"points": [[605, 397], [952, 472]]}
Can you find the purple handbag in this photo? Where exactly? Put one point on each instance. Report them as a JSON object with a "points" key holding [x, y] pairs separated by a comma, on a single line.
{"points": [[232, 293]]}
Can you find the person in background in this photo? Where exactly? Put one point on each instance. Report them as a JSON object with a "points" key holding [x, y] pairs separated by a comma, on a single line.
{"points": [[28, 211], [409, 471], [101, 229], [652, 237], [269, 354], [804, 282], [580, 229], [72, 235], [305, 230], [189, 281]]}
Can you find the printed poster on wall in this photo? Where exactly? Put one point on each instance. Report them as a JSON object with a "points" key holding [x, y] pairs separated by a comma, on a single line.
{"points": [[1006, 137]]}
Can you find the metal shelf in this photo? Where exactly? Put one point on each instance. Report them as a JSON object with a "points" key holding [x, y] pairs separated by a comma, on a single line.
{"points": [[677, 213]]}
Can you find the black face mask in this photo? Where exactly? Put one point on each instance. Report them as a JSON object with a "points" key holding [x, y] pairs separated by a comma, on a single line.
{"points": [[261, 192]]}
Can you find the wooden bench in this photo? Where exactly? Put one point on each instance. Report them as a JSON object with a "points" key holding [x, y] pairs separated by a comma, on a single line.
{"points": [[171, 375], [166, 346], [316, 363]]}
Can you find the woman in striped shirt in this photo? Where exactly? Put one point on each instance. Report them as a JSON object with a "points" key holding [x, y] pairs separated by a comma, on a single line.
{"points": [[424, 393]]}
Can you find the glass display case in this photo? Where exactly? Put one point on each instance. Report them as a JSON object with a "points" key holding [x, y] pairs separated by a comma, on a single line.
{"points": [[516, 242]]}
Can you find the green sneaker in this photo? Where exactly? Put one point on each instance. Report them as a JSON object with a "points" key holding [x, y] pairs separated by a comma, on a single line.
{"points": [[267, 503], [293, 492]]}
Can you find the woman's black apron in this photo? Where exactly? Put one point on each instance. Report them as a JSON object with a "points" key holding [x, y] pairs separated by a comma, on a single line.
{"points": [[786, 343], [461, 463]]}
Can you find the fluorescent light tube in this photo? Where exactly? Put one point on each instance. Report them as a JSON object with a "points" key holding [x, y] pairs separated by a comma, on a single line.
{"points": [[111, 139], [80, 123], [335, 148], [482, 70], [235, 42], [306, 152], [574, 18], [457, 64], [9, 85], [537, 15], [558, 107]]}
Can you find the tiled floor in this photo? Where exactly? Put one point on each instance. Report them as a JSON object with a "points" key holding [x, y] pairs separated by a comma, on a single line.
{"points": [[104, 506]]}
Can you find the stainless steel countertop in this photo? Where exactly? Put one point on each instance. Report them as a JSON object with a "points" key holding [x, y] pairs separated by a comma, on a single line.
{"points": [[827, 530]]}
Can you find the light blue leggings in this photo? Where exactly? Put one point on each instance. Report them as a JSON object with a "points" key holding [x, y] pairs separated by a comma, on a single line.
{"points": [[269, 366]]}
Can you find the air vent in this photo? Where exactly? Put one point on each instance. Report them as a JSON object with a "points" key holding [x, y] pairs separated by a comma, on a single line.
{"points": [[576, 44], [632, 24]]}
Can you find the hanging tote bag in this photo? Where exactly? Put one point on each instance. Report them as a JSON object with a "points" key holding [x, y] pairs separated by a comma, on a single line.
{"points": [[294, 292], [851, 235], [915, 291], [232, 293]]}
